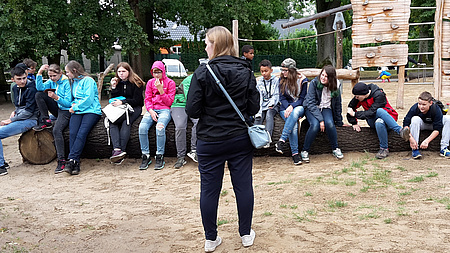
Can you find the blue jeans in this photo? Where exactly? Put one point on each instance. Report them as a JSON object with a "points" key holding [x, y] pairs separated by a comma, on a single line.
{"points": [[144, 126], [382, 122], [269, 116], [290, 129], [238, 153], [16, 127], [80, 126], [314, 128]]}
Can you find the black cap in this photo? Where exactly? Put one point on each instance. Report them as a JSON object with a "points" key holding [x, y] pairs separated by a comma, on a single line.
{"points": [[22, 66], [360, 89]]}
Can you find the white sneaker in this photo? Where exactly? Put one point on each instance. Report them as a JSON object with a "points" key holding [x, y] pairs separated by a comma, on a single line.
{"points": [[247, 240], [338, 153], [305, 156], [267, 145], [210, 246]]}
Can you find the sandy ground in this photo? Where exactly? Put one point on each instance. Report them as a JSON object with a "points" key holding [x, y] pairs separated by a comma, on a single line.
{"points": [[358, 204]]}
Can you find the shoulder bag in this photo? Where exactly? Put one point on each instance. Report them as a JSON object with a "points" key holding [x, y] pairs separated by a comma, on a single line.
{"points": [[258, 133]]}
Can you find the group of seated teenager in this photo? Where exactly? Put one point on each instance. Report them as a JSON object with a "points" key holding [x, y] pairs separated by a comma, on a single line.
{"points": [[72, 100], [321, 103]]}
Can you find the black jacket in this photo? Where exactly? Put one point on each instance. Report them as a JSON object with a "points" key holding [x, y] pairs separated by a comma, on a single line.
{"points": [[25, 102], [132, 93], [206, 101], [433, 116], [313, 99]]}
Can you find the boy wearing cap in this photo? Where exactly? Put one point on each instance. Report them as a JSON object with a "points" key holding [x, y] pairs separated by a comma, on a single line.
{"points": [[427, 115], [24, 116], [378, 113]]}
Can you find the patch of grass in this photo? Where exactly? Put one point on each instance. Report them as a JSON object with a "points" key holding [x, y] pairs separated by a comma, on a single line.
{"points": [[401, 203], [371, 215], [405, 193], [447, 207], [432, 174], [401, 212], [224, 193], [382, 176], [308, 194], [267, 213], [416, 179], [350, 182], [351, 194], [283, 206], [13, 248], [10, 198], [280, 182], [401, 168], [222, 221], [305, 217], [337, 204], [388, 221], [333, 181], [365, 188]]}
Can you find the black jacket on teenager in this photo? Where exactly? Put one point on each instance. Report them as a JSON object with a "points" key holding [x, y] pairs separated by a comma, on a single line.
{"points": [[25, 102], [433, 116], [132, 93], [206, 101]]}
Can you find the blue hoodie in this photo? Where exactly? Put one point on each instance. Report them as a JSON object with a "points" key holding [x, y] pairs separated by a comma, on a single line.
{"points": [[62, 87], [85, 96], [24, 101]]}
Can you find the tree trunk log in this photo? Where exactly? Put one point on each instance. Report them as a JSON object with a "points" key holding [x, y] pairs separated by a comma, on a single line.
{"points": [[38, 147]]}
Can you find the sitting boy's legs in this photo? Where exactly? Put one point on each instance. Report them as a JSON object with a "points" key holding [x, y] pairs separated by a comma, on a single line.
{"points": [[45, 104], [270, 120], [445, 136], [260, 119]]}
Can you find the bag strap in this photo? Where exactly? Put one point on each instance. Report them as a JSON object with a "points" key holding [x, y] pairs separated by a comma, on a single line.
{"points": [[226, 94]]}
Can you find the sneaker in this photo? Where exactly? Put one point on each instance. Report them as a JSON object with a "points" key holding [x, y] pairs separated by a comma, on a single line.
{"points": [[3, 170], [382, 153], [6, 165], [159, 162], [404, 133], [210, 246], [146, 161], [117, 155], [69, 167], [267, 145], [75, 168], [297, 160], [338, 153], [44, 124], [193, 155], [180, 162], [247, 240], [119, 162], [416, 154], [444, 152], [305, 156], [279, 146], [61, 166]]}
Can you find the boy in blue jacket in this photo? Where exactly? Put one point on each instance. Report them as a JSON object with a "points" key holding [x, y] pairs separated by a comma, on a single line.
{"points": [[23, 117]]}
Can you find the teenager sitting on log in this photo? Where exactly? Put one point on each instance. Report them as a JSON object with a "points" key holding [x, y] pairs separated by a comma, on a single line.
{"points": [[293, 88], [425, 114], [130, 87], [159, 96], [323, 110], [86, 112], [378, 113], [55, 95]]}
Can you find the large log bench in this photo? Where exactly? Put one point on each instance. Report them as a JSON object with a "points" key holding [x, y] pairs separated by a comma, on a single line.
{"points": [[37, 147]]}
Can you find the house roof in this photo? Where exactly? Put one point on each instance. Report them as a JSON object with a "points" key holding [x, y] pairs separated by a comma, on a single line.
{"points": [[176, 32], [284, 32]]}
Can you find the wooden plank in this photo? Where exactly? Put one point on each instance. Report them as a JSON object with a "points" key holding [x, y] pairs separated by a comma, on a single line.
{"points": [[380, 56], [341, 73], [438, 49], [396, 8], [401, 86], [379, 32], [445, 39]]}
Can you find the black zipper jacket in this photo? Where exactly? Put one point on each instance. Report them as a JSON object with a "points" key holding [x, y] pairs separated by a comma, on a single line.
{"points": [[206, 101]]}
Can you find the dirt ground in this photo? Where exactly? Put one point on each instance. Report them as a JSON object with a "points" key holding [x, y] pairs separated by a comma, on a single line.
{"points": [[358, 204]]}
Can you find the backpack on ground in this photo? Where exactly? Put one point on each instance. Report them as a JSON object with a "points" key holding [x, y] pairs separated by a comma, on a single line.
{"points": [[440, 105]]}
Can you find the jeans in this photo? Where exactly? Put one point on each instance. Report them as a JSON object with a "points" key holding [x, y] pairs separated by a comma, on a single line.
{"points": [[46, 104], [269, 116], [80, 126], [120, 132], [14, 128], [314, 128], [144, 126], [290, 129], [382, 122], [180, 118], [238, 153], [60, 124], [417, 125]]}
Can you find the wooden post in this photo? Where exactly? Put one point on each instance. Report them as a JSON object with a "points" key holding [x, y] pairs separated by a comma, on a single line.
{"points": [[339, 60], [100, 77], [437, 72], [401, 84], [236, 36], [355, 81]]}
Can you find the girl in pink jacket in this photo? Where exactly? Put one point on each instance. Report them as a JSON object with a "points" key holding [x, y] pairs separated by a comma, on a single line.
{"points": [[159, 96]]}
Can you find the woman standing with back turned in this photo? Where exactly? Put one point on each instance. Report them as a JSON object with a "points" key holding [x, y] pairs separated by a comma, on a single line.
{"points": [[222, 135]]}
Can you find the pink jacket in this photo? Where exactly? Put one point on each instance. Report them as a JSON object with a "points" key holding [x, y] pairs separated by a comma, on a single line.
{"points": [[154, 100]]}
